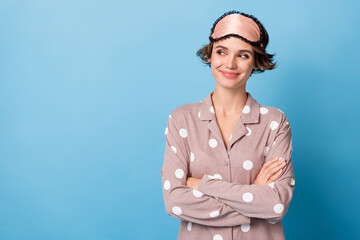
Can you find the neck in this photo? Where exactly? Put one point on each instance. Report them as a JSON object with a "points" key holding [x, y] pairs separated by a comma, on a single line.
{"points": [[229, 101]]}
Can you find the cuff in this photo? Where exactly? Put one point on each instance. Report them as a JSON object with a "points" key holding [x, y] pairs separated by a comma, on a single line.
{"points": [[203, 183]]}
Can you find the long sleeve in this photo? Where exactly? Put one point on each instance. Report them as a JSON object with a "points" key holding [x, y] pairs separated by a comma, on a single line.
{"points": [[269, 201], [181, 201]]}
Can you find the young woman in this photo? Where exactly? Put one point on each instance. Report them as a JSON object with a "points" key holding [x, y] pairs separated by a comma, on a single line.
{"points": [[227, 171]]}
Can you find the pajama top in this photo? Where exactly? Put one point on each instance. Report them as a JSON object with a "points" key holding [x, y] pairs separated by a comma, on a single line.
{"points": [[227, 205]]}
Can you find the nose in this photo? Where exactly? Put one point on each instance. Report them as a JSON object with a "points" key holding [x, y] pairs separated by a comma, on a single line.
{"points": [[231, 62]]}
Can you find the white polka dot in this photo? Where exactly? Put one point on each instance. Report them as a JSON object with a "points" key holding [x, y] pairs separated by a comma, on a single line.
{"points": [[247, 165], [174, 149], [183, 133], [215, 176], [197, 193], [176, 210], [199, 114], [292, 182], [272, 221], [166, 131], [279, 208], [217, 237], [249, 131], [287, 123], [167, 185], [212, 109], [266, 151], [179, 173], [274, 125], [247, 197], [189, 226], [170, 116], [273, 143], [192, 157], [212, 142], [214, 214], [246, 109], [271, 184], [230, 137], [245, 227], [264, 110]]}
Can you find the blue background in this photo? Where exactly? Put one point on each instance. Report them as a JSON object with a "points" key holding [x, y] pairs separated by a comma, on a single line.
{"points": [[86, 88]]}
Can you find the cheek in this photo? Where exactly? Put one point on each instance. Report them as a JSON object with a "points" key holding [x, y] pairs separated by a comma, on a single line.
{"points": [[215, 66], [216, 62], [246, 65]]}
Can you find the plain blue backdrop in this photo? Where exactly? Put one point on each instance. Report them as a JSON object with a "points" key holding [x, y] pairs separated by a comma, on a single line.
{"points": [[86, 88]]}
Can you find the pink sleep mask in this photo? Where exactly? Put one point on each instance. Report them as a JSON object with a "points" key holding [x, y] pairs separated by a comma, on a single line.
{"points": [[240, 25]]}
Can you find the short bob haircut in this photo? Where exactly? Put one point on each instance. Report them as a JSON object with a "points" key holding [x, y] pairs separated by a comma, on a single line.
{"points": [[263, 60]]}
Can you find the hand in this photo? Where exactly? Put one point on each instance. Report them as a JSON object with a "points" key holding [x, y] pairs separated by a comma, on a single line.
{"points": [[192, 182], [270, 171]]}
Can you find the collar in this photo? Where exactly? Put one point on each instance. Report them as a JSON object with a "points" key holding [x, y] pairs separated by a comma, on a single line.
{"points": [[207, 109]]}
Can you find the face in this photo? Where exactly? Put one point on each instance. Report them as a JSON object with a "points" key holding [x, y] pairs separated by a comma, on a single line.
{"points": [[232, 61]]}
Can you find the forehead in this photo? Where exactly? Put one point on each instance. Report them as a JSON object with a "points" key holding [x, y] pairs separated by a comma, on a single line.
{"points": [[233, 44]]}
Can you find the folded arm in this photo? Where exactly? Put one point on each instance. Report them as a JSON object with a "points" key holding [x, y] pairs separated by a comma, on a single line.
{"points": [[182, 201], [269, 201]]}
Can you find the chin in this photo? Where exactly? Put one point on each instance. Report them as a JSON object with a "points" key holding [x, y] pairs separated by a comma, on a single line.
{"points": [[229, 85]]}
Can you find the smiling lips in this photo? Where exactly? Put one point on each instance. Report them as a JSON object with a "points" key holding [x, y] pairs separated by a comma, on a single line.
{"points": [[229, 74]]}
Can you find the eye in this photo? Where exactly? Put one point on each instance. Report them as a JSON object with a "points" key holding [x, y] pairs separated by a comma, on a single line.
{"points": [[219, 52], [243, 56]]}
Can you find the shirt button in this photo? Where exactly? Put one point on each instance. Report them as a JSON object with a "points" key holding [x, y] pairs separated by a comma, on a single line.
{"points": [[227, 164]]}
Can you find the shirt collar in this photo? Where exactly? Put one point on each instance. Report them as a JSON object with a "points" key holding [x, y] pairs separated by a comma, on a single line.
{"points": [[207, 109]]}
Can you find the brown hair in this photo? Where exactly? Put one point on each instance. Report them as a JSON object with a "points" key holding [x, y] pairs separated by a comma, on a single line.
{"points": [[263, 60]]}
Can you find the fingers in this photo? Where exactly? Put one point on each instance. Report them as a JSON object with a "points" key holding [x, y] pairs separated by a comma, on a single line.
{"points": [[265, 165], [271, 170], [275, 176], [270, 161], [276, 166], [270, 165]]}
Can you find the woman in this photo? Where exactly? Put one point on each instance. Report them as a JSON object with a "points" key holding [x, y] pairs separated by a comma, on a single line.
{"points": [[227, 171]]}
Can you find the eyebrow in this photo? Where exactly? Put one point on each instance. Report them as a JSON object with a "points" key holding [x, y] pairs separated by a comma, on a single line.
{"points": [[242, 50]]}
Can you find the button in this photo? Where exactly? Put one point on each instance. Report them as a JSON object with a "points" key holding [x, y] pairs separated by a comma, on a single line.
{"points": [[227, 163]]}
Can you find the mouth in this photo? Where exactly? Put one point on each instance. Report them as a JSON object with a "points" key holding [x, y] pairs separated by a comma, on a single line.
{"points": [[229, 74]]}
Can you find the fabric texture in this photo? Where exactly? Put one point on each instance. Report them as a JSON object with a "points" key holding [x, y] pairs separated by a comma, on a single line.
{"points": [[237, 24], [227, 204]]}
